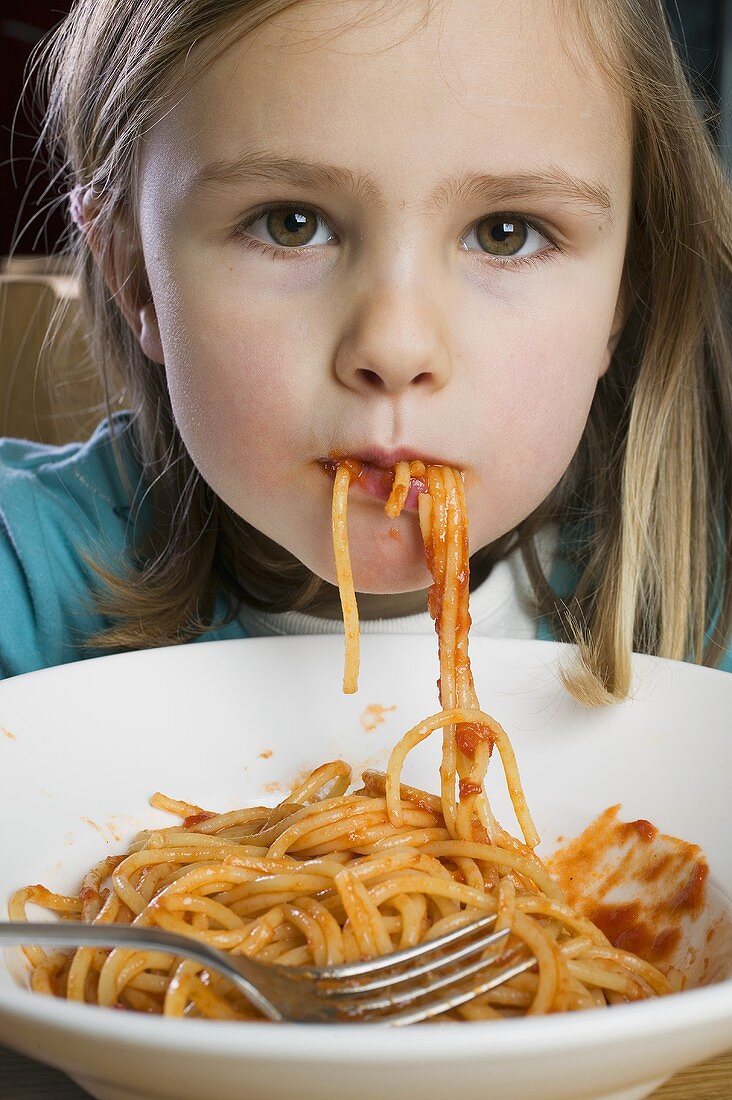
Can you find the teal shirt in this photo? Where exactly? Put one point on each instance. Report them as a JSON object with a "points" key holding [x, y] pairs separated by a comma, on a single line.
{"points": [[60, 504], [57, 505]]}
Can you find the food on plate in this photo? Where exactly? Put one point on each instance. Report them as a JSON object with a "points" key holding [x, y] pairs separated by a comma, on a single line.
{"points": [[329, 876]]}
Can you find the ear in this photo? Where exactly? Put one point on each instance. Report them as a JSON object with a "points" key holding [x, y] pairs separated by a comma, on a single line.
{"points": [[622, 307], [123, 266]]}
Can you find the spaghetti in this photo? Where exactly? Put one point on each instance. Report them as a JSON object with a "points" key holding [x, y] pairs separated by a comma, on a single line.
{"points": [[328, 877]]}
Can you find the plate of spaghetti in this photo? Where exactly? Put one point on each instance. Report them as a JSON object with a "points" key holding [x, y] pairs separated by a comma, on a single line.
{"points": [[271, 799]]}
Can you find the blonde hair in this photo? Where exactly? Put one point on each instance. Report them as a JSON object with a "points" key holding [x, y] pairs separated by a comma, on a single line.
{"points": [[647, 498]]}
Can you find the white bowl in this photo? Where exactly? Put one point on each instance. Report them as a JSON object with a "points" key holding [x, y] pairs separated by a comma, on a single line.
{"points": [[88, 743]]}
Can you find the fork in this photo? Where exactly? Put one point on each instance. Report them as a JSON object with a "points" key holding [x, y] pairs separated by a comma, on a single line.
{"points": [[403, 987]]}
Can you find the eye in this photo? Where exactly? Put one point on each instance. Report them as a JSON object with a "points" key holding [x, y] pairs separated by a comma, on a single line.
{"points": [[505, 236], [288, 227]]}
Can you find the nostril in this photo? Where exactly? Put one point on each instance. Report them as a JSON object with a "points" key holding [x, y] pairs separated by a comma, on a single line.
{"points": [[372, 378]]}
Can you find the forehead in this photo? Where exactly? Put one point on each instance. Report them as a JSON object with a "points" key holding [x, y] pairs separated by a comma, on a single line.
{"points": [[403, 93]]}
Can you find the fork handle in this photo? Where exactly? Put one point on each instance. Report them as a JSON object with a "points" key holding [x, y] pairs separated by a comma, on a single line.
{"points": [[134, 936]]}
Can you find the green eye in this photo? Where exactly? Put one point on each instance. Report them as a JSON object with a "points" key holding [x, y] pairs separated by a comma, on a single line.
{"points": [[501, 236], [292, 227]]}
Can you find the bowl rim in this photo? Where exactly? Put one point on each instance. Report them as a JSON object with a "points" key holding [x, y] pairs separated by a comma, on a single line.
{"points": [[676, 1012], [640, 661]]}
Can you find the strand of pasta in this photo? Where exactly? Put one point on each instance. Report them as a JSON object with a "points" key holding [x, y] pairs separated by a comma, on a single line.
{"points": [[345, 577]]}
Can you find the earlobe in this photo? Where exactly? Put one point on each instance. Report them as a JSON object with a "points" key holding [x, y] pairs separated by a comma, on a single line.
{"points": [[148, 333], [135, 302], [621, 316], [132, 293], [123, 267], [609, 351]]}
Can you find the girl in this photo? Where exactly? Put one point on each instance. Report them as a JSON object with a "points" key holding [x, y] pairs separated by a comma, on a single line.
{"points": [[494, 236]]}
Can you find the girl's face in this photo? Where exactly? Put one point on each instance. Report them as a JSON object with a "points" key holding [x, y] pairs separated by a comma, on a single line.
{"points": [[370, 232]]}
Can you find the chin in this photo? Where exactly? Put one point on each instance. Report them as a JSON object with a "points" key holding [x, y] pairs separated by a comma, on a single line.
{"points": [[370, 577], [408, 580], [389, 559]]}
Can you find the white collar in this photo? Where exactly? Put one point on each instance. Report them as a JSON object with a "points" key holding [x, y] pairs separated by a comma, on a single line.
{"points": [[501, 605]]}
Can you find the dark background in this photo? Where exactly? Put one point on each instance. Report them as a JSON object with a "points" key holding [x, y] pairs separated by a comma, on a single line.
{"points": [[701, 27]]}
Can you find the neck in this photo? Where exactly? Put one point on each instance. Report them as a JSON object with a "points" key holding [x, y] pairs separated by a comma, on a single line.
{"points": [[376, 606], [387, 606]]}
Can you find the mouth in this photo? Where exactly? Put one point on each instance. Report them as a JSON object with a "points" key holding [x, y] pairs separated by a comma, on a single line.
{"points": [[373, 471]]}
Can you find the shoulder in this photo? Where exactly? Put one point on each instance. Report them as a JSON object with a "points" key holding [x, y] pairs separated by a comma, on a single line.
{"points": [[564, 570], [59, 508], [725, 662], [86, 471]]}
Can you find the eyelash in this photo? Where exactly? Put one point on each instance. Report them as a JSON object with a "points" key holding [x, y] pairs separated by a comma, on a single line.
{"points": [[275, 252]]}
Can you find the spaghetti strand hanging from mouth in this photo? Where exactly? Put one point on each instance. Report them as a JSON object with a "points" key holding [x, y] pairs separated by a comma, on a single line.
{"points": [[466, 745], [344, 577], [346, 471]]}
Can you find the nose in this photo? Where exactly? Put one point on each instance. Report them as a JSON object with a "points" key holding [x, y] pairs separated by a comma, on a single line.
{"points": [[394, 342]]}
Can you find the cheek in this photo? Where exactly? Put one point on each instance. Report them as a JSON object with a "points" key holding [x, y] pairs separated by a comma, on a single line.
{"points": [[546, 408], [236, 397], [534, 401]]}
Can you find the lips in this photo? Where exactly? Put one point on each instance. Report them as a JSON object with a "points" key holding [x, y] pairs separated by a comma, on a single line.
{"points": [[376, 482], [386, 458], [373, 472]]}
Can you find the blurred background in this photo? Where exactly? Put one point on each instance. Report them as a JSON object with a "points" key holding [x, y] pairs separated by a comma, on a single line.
{"points": [[33, 284]]}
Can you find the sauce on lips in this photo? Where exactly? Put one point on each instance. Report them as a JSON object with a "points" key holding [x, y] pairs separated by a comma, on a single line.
{"points": [[377, 481]]}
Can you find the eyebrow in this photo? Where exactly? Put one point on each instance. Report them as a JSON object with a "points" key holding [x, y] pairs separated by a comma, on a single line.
{"points": [[551, 182]]}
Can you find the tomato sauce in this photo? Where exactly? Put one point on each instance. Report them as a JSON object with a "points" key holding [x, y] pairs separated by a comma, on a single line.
{"points": [[637, 885]]}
